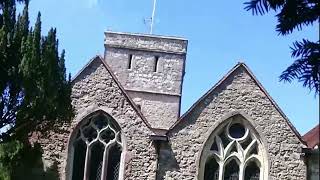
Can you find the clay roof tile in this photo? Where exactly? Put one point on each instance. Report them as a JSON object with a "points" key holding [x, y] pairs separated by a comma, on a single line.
{"points": [[312, 137]]}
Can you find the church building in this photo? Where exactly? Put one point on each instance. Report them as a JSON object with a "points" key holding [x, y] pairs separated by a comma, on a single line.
{"points": [[128, 123]]}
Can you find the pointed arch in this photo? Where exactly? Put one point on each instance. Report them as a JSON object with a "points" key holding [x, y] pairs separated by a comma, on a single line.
{"points": [[231, 169], [96, 148], [234, 140], [252, 170], [211, 169]]}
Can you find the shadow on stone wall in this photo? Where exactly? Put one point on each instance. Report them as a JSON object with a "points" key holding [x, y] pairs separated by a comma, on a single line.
{"points": [[166, 161], [31, 167]]}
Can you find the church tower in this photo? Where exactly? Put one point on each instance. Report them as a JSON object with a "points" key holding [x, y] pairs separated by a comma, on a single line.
{"points": [[151, 69]]}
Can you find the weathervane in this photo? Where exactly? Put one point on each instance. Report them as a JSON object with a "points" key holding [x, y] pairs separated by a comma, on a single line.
{"points": [[151, 20]]}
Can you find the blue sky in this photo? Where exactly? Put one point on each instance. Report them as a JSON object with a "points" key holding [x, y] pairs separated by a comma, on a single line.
{"points": [[220, 34]]}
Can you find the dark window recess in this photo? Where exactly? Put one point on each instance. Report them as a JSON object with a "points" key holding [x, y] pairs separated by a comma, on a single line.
{"points": [[211, 171], [98, 164], [246, 143], [254, 150], [237, 130], [114, 163], [234, 148], [80, 149], [214, 147], [231, 171], [156, 60], [252, 171], [96, 161], [107, 135], [130, 61], [101, 121], [224, 139]]}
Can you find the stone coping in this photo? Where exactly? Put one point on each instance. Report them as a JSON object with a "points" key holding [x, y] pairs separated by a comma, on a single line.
{"points": [[146, 42]]}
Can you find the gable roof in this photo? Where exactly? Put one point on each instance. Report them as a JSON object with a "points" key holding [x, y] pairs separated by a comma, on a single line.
{"points": [[220, 82], [133, 105], [312, 137]]}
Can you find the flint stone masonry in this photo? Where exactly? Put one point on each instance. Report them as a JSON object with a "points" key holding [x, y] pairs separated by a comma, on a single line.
{"points": [[172, 154], [166, 107], [238, 93], [146, 42], [156, 69], [141, 77], [92, 90]]}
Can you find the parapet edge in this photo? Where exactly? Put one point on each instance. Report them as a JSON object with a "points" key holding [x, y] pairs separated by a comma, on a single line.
{"points": [[144, 42], [146, 35]]}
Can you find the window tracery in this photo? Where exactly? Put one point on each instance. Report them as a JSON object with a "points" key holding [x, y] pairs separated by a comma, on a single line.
{"points": [[233, 152], [97, 149]]}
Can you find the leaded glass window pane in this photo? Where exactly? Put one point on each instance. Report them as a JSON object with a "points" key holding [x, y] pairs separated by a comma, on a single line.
{"points": [[224, 139], [231, 171], [233, 144], [211, 170], [114, 162], [96, 161], [252, 171], [101, 137], [79, 157], [237, 130]]}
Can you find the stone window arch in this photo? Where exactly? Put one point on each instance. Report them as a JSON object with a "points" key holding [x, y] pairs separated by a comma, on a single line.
{"points": [[233, 151], [96, 149]]}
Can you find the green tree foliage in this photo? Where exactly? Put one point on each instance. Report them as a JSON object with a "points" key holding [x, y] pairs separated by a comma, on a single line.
{"points": [[10, 154], [291, 15], [33, 83], [20, 161], [33, 89]]}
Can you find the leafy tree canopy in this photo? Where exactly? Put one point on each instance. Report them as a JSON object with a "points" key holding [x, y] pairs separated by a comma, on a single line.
{"points": [[294, 15], [33, 83]]}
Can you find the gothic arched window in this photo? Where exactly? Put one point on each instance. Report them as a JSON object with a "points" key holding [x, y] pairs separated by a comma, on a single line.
{"points": [[252, 171], [211, 170], [233, 152], [96, 149]]}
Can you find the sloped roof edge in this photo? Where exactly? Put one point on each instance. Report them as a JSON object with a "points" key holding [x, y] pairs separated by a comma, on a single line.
{"points": [[84, 67], [237, 66], [312, 137], [136, 109]]}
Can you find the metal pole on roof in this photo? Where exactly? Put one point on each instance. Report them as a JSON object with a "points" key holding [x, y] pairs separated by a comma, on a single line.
{"points": [[152, 17]]}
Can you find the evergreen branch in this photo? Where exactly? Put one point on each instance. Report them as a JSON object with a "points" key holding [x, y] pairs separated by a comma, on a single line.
{"points": [[295, 14], [306, 68], [33, 82], [260, 7]]}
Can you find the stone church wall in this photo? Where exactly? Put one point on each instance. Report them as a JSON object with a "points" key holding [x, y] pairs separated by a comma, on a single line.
{"points": [[141, 76], [166, 107], [153, 91], [238, 93], [92, 90], [151, 69], [158, 94]]}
